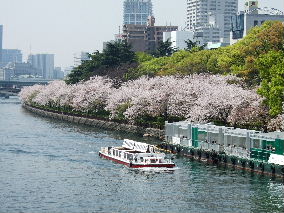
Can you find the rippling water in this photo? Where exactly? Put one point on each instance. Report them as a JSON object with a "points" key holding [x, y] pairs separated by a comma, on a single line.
{"points": [[53, 166]]}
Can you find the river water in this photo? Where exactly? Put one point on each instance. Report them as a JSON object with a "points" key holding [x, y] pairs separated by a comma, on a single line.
{"points": [[53, 166]]}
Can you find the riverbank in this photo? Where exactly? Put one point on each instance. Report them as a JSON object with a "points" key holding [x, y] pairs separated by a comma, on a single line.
{"points": [[108, 125], [190, 152]]}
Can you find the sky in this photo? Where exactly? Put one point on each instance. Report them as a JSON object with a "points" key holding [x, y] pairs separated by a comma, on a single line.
{"points": [[67, 27]]}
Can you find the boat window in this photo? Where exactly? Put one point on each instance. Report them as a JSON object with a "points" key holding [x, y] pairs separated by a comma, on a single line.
{"points": [[153, 160]]}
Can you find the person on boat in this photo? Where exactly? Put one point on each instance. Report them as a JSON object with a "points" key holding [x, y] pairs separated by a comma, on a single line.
{"points": [[148, 149]]}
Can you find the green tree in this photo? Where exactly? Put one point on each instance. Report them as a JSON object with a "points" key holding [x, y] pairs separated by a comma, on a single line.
{"points": [[194, 46], [117, 53], [164, 49], [116, 56], [271, 68], [143, 57], [85, 70]]}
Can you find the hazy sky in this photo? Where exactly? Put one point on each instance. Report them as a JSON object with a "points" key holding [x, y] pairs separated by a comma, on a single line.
{"points": [[65, 27]]}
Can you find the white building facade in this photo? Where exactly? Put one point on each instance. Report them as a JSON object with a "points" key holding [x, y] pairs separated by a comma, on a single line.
{"points": [[252, 16], [178, 38], [211, 19]]}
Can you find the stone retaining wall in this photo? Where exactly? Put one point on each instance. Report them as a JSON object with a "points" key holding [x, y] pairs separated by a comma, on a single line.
{"points": [[109, 125]]}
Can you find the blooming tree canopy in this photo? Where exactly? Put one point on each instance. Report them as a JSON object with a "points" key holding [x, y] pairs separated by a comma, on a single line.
{"points": [[198, 98]]}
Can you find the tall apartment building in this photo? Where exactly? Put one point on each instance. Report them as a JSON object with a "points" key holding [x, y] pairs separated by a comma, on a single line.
{"points": [[15, 71], [136, 36], [251, 17], [44, 63], [79, 57], [11, 55], [1, 41], [211, 19], [137, 11], [145, 38]]}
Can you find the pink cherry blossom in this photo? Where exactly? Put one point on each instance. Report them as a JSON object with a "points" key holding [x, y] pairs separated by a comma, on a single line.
{"points": [[197, 98], [277, 124]]}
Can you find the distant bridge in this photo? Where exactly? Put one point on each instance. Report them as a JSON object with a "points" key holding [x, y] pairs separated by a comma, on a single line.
{"points": [[6, 93], [12, 88], [21, 84]]}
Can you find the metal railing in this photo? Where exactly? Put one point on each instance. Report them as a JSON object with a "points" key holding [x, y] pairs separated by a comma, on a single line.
{"points": [[237, 151], [210, 146]]}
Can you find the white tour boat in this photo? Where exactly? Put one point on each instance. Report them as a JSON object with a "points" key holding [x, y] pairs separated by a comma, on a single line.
{"points": [[136, 155]]}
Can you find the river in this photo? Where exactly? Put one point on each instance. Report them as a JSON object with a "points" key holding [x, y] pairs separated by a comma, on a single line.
{"points": [[53, 166]]}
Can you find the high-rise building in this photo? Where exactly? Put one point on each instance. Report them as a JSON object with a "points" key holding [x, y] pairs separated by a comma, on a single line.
{"points": [[1, 41], [16, 71], [251, 6], [44, 63], [58, 73], [211, 19], [81, 57], [21, 69], [11, 55], [2, 74], [137, 11], [145, 38], [252, 16]]}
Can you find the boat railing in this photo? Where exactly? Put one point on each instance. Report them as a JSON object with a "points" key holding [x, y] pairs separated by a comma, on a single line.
{"points": [[210, 146], [151, 160]]}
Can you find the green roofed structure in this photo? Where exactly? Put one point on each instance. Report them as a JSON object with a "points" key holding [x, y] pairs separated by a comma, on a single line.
{"points": [[232, 142]]}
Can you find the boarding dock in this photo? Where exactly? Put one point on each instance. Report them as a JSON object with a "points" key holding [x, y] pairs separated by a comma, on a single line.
{"points": [[246, 149]]}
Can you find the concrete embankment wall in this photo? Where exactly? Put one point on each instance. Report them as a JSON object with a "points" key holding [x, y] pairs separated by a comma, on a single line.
{"points": [[108, 125]]}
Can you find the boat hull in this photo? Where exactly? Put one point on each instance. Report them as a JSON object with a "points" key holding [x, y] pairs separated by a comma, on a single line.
{"points": [[133, 165]]}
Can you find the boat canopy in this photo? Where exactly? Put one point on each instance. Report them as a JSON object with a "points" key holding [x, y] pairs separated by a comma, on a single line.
{"points": [[137, 146]]}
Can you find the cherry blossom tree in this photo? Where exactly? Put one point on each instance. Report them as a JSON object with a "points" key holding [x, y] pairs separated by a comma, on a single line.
{"points": [[197, 98], [277, 124], [92, 94], [53, 94], [28, 94]]}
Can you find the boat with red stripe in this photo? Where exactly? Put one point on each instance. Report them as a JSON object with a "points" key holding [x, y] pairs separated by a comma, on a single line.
{"points": [[136, 155]]}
